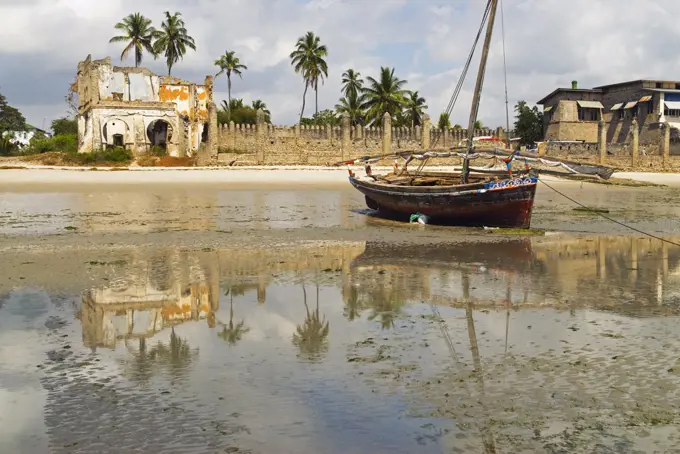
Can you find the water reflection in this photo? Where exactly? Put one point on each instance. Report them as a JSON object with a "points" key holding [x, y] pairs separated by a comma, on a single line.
{"points": [[624, 275], [514, 345], [150, 294], [233, 333], [311, 338]]}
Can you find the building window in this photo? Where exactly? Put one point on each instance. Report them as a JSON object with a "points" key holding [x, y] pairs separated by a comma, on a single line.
{"points": [[677, 86], [659, 85], [671, 112], [588, 114]]}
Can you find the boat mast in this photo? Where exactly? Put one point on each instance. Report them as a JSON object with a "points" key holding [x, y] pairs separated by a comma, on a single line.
{"points": [[478, 90]]}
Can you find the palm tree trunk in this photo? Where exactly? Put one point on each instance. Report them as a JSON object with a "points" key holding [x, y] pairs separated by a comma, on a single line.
{"points": [[304, 96], [229, 93], [316, 91]]}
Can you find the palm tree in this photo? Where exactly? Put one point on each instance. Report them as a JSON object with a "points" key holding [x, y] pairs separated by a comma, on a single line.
{"points": [[232, 333], [385, 95], [228, 64], [138, 33], [259, 104], [234, 104], [351, 105], [173, 40], [478, 124], [308, 60], [444, 121], [311, 337], [415, 106], [352, 83]]}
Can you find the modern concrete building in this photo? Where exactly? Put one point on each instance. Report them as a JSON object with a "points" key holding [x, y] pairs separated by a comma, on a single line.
{"points": [[573, 114]]}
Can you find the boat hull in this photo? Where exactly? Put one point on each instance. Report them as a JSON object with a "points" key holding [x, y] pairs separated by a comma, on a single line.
{"points": [[506, 204]]}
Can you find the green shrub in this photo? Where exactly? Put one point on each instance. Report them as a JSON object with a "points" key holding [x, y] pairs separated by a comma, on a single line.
{"points": [[115, 155], [65, 142], [65, 126], [155, 150]]}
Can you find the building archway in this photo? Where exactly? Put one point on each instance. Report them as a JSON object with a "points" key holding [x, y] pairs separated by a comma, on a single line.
{"points": [[114, 132], [159, 133]]}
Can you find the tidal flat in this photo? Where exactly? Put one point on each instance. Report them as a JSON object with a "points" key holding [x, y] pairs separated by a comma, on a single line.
{"points": [[292, 319]]}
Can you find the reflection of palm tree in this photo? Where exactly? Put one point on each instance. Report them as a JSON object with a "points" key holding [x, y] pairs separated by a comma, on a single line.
{"points": [[311, 338], [140, 368], [386, 303], [231, 333], [353, 306], [176, 356]]}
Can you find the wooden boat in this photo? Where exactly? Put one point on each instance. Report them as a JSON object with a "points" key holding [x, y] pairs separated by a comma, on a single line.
{"points": [[462, 198], [483, 197], [484, 201]]}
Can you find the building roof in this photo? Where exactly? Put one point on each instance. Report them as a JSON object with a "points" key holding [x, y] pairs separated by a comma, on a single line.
{"points": [[568, 90], [638, 81]]}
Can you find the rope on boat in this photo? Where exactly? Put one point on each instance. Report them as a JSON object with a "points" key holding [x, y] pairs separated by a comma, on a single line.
{"points": [[447, 154], [463, 75], [622, 224]]}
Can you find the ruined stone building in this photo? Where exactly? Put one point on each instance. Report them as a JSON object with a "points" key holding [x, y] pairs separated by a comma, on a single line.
{"points": [[573, 114], [137, 109]]}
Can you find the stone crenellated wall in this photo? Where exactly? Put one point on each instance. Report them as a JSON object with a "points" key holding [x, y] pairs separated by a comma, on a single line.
{"points": [[264, 144]]}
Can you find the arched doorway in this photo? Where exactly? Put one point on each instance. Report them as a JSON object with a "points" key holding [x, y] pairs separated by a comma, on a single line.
{"points": [[114, 133], [159, 133]]}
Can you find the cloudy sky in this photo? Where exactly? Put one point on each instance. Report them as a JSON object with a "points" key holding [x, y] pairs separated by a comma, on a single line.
{"points": [[548, 44]]}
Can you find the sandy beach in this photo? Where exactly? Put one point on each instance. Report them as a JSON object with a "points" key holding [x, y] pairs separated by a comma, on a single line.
{"points": [[38, 176]]}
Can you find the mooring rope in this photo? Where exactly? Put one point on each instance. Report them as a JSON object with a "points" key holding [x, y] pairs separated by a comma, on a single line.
{"points": [[622, 224]]}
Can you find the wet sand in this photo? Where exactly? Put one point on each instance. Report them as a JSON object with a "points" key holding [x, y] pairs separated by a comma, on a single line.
{"points": [[223, 318], [63, 178]]}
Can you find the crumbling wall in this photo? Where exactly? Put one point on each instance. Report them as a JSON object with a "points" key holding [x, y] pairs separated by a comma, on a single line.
{"points": [[319, 145], [134, 98], [133, 125]]}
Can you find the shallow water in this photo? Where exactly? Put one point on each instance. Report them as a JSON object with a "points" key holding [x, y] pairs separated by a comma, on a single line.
{"points": [[328, 209], [529, 345]]}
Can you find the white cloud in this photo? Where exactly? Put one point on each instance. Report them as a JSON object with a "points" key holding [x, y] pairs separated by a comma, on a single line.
{"points": [[549, 43]]}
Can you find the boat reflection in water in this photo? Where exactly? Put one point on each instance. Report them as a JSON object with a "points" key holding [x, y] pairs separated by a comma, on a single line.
{"points": [[581, 320]]}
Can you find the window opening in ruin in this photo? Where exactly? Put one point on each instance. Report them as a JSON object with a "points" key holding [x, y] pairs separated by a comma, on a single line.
{"points": [[204, 134], [159, 133], [118, 140]]}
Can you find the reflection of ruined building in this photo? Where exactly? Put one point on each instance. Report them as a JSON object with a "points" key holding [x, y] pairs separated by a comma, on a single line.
{"points": [[154, 298], [135, 109], [151, 293]]}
